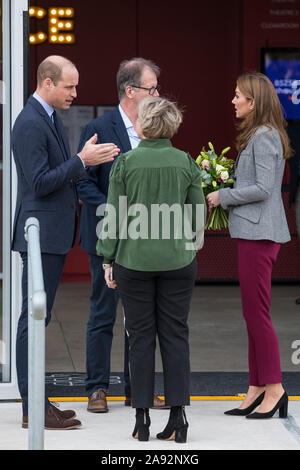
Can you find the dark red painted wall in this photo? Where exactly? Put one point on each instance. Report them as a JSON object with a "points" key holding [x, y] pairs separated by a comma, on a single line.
{"points": [[201, 48]]}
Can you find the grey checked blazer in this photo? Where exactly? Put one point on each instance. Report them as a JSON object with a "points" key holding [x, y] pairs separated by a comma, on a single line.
{"points": [[255, 202]]}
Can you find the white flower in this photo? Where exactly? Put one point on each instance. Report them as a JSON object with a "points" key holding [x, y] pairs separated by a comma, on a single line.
{"points": [[224, 175], [220, 168], [205, 164]]}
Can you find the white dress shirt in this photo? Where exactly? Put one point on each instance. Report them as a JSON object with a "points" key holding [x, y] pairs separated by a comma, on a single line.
{"points": [[133, 137]]}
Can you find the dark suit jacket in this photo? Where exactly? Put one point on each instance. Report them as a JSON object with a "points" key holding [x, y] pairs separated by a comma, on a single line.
{"points": [[294, 162], [94, 188], [46, 174]]}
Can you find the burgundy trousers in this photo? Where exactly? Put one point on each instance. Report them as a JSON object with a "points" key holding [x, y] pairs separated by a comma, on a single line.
{"points": [[255, 262]]}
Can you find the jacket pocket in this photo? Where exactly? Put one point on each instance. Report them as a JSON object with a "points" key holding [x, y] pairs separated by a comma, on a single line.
{"points": [[251, 212]]}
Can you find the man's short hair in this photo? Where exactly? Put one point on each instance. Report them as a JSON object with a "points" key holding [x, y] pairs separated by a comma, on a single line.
{"points": [[130, 73], [52, 67]]}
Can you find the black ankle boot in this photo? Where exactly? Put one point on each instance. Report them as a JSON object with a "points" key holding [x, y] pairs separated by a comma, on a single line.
{"points": [[142, 424], [177, 425]]}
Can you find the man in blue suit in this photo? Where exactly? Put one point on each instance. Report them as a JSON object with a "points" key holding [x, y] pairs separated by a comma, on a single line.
{"points": [[136, 79], [47, 191]]}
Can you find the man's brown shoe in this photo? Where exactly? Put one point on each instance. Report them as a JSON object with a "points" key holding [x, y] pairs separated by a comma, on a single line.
{"points": [[54, 420], [67, 414], [297, 301], [97, 402], [159, 404]]}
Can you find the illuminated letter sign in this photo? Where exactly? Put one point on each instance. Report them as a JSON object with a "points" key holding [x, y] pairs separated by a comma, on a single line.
{"points": [[38, 37], [57, 25], [60, 25]]}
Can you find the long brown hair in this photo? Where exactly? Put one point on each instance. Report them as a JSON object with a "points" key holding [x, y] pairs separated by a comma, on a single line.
{"points": [[267, 110]]}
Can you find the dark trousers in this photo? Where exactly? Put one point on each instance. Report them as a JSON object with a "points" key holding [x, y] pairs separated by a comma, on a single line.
{"points": [[99, 335], [52, 270], [255, 263], [157, 303]]}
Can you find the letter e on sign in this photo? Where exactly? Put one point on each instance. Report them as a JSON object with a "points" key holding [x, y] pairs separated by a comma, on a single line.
{"points": [[61, 25]]}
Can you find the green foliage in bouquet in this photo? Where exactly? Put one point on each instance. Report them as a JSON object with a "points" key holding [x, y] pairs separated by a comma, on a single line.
{"points": [[217, 172]]}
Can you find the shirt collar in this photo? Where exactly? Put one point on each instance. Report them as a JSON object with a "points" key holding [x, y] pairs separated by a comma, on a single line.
{"points": [[49, 110], [127, 122]]}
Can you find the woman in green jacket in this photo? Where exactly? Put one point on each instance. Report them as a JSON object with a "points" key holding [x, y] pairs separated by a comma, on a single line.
{"points": [[152, 229]]}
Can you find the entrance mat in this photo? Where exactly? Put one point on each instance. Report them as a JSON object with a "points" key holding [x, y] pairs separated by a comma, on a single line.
{"points": [[69, 384]]}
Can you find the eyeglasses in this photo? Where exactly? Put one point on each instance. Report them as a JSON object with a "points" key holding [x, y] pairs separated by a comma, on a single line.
{"points": [[151, 90]]}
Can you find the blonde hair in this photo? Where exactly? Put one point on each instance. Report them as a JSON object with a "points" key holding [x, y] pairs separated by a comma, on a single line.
{"points": [[267, 110], [159, 118]]}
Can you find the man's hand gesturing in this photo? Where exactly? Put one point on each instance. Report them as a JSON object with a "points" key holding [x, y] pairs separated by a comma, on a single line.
{"points": [[95, 154]]}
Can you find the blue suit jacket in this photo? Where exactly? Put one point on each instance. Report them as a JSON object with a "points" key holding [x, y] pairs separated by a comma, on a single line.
{"points": [[46, 180], [94, 188]]}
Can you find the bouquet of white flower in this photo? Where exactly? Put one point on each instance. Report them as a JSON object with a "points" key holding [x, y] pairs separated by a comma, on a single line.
{"points": [[217, 172]]}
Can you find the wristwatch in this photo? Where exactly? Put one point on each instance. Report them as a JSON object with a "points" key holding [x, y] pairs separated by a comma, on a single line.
{"points": [[105, 266]]}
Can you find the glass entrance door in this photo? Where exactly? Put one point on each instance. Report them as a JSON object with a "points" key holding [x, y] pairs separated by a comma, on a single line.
{"points": [[11, 103]]}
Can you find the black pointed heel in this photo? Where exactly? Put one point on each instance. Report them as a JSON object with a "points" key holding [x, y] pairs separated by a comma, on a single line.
{"points": [[177, 426], [281, 405], [248, 410], [142, 424]]}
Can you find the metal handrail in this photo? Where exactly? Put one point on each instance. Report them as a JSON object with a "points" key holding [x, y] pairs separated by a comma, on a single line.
{"points": [[36, 336]]}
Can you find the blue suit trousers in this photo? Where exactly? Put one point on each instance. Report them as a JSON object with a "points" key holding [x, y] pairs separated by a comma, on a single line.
{"points": [[99, 335], [52, 270]]}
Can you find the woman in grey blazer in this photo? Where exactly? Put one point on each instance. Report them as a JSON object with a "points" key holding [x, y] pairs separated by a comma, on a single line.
{"points": [[257, 219]]}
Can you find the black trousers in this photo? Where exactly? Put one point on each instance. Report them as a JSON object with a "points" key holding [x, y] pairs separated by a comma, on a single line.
{"points": [[157, 303]]}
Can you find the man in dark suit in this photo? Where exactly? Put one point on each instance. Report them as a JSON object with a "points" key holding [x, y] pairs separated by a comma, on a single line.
{"points": [[47, 191], [136, 79], [294, 186]]}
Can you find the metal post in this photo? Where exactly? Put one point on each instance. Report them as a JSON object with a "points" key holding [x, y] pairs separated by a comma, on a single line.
{"points": [[36, 337]]}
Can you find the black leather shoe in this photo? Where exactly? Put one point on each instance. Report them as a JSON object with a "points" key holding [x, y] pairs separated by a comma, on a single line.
{"points": [[248, 410], [281, 405]]}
